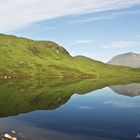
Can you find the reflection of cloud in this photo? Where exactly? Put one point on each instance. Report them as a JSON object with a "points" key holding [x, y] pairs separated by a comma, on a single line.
{"points": [[123, 105], [84, 107]]}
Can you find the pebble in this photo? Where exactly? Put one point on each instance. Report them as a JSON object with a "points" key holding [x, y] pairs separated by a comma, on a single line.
{"points": [[9, 137], [13, 132]]}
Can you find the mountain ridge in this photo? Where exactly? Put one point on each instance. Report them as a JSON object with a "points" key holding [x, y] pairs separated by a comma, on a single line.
{"points": [[21, 57]]}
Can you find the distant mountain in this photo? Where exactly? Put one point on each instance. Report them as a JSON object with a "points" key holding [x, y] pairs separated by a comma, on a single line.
{"points": [[22, 58], [128, 59]]}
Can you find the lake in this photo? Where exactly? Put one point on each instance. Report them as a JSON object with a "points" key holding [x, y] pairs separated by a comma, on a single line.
{"points": [[56, 109]]}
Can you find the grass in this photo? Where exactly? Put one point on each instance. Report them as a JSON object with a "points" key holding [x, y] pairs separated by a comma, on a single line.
{"points": [[21, 57]]}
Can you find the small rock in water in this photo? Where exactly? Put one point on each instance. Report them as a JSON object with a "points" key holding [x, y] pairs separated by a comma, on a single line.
{"points": [[9, 137], [13, 132], [14, 138]]}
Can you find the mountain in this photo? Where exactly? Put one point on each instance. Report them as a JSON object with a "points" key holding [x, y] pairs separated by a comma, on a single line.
{"points": [[128, 59], [22, 58]]}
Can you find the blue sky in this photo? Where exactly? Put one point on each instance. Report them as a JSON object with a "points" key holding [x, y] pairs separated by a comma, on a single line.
{"points": [[96, 29]]}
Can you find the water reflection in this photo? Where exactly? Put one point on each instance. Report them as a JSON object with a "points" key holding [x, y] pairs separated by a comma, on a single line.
{"points": [[25, 96], [60, 109], [127, 90]]}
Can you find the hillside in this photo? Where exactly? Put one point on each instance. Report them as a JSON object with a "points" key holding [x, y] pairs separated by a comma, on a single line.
{"points": [[128, 59], [21, 57]]}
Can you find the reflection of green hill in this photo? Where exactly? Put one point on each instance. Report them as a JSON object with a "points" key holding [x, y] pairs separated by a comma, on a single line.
{"points": [[28, 95]]}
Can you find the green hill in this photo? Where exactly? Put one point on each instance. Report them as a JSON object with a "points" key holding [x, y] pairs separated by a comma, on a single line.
{"points": [[21, 57]]}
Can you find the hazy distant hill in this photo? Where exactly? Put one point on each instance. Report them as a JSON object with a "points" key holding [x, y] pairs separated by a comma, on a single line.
{"points": [[21, 57], [128, 59]]}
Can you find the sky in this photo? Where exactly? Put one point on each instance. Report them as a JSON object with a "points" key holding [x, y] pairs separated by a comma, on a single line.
{"points": [[99, 29]]}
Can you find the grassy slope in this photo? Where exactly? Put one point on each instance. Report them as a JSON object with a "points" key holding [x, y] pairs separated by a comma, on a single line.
{"points": [[21, 57], [105, 70]]}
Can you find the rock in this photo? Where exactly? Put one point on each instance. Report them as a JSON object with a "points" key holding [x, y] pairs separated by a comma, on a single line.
{"points": [[5, 77], [13, 132], [7, 136], [14, 138]]}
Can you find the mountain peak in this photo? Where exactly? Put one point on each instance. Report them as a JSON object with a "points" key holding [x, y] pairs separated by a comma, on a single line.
{"points": [[129, 59]]}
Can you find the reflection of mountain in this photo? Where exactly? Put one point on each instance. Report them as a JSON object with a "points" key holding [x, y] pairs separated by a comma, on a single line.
{"points": [[127, 90], [28, 95]]}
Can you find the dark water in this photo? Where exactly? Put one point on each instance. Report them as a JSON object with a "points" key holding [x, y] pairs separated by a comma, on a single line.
{"points": [[71, 109]]}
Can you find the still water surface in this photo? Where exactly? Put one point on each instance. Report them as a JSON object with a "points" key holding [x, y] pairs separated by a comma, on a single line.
{"points": [[85, 113]]}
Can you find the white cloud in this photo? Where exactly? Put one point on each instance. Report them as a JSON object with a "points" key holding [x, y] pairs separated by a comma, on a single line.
{"points": [[138, 37], [106, 17], [92, 19], [16, 14], [122, 44], [84, 41]]}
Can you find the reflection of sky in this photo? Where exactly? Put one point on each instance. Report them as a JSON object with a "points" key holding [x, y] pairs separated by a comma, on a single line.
{"points": [[99, 113]]}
